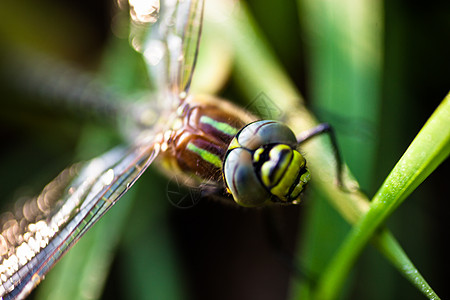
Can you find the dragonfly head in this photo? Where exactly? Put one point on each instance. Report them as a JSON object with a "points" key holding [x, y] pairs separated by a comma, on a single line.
{"points": [[262, 165]]}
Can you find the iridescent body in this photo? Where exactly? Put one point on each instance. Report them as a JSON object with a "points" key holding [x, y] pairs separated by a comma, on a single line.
{"points": [[195, 146], [258, 163]]}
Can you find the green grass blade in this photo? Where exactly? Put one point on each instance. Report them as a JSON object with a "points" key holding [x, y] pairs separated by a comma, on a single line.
{"points": [[343, 51], [253, 58], [386, 244], [344, 48], [426, 152]]}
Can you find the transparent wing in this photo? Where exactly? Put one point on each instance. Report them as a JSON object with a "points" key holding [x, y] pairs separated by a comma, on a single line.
{"points": [[35, 237], [191, 29], [171, 47]]}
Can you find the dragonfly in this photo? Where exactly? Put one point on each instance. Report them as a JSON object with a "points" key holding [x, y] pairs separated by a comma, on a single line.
{"points": [[204, 141]]}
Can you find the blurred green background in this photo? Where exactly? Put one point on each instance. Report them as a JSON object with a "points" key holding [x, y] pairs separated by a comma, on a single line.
{"points": [[212, 250]]}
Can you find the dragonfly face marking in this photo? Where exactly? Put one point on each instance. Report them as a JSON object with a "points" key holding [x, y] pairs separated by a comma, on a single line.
{"points": [[262, 165], [258, 164]]}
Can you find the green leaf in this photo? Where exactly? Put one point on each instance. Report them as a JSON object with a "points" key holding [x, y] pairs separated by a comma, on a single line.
{"points": [[253, 58], [430, 148], [343, 52]]}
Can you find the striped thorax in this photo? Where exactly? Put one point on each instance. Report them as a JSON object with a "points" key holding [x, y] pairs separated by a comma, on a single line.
{"points": [[257, 163], [203, 128]]}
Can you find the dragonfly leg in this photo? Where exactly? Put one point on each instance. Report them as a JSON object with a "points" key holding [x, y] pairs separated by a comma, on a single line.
{"points": [[325, 128]]}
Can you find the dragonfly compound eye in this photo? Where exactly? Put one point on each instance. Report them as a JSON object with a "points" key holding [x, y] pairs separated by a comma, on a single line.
{"points": [[262, 165]]}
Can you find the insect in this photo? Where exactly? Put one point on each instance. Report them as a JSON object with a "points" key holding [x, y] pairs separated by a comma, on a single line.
{"points": [[200, 139]]}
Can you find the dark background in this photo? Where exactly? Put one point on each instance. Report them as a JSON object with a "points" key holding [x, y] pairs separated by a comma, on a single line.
{"points": [[225, 252]]}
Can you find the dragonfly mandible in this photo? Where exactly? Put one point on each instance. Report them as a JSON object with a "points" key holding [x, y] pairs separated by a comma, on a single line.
{"points": [[201, 139]]}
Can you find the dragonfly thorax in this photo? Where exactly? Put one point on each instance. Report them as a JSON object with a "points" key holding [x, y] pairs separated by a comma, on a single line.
{"points": [[257, 163], [196, 144]]}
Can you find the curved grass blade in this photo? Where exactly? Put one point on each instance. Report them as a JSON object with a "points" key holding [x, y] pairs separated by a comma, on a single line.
{"points": [[430, 148], [344, 54], [253, 58], [343, 51]]}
